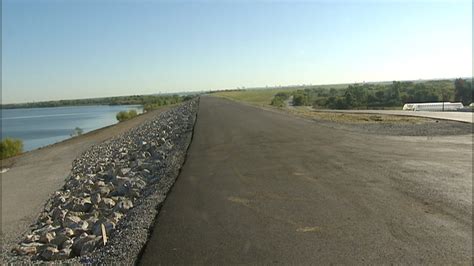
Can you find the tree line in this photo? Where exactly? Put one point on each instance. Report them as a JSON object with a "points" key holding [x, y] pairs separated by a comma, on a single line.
{"points": [[152, 101], [380, 95]]}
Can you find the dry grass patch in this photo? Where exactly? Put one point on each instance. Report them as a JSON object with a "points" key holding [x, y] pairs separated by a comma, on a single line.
{"points": [[260, 97], [358, 118]]}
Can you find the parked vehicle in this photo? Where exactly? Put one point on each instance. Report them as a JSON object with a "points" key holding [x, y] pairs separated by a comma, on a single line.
{"points": [[436, 106]]}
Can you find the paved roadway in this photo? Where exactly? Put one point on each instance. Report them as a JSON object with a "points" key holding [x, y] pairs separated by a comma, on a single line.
{"points": [[261, 187]]}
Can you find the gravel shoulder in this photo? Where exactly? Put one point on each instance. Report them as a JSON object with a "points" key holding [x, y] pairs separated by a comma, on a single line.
{"points": [[428, 128], [466, 117], [392, 124]]}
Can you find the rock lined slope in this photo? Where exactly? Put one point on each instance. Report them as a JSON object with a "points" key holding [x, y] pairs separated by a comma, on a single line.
{"points": [[114, 189], [35, 175]]}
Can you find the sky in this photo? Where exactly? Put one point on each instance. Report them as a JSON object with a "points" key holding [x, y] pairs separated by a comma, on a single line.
{"points": [[67, 49]]}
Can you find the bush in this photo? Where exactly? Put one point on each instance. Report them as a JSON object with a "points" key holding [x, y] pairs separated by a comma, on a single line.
{"points": [[319, 103], [188, 97], [283, 95], [278, 102], [132, 113], [300, 99], [125, 115], [10, 147], [279, 99], [77, 132]]}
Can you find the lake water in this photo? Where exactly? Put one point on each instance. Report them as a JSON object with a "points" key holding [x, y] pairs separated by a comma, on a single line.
{"points": [[38, 127]]}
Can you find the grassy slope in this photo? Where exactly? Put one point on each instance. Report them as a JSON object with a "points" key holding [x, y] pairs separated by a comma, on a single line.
{"points": [[263, 97]]}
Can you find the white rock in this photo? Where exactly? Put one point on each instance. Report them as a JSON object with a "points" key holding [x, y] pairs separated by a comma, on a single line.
{"points": [[47, 237]]}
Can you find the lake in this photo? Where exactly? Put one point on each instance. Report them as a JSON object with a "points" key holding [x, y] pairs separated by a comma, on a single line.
{"points": [[38, 127]]}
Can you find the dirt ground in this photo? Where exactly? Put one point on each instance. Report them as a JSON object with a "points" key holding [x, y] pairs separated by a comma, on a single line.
{"points": [[386, 124]]}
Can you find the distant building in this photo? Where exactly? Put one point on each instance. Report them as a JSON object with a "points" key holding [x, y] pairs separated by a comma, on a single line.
{"points": [[438, 106]]}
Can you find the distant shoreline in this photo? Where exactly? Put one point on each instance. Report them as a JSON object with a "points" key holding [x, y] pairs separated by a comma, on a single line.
{"points": [[111, 101], [57, 106]]}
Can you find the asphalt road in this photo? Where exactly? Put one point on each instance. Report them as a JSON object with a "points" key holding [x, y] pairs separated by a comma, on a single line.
{"points": [[262, 187], [35, 175]]}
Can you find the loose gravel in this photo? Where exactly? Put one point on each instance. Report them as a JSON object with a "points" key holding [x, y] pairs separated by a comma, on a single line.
{"points": [[430, 127], [108, 204]]}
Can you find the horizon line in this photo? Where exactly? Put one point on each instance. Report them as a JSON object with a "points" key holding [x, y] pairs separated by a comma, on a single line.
{"points": [[240, 88]]}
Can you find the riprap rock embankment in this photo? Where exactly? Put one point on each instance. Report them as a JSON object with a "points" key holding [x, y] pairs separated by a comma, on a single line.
{"points": [[110, 200]]}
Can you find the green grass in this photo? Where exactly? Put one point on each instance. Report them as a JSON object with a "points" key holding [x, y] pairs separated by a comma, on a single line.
{"points": [[262, 97]]}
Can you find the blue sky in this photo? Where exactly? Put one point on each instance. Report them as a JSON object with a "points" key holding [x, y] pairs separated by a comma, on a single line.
{"points": [[78, 49]]}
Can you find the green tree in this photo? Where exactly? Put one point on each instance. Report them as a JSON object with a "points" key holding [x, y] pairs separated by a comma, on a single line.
{"points": [[341, 104], [332, 92], [349, 100], [395, 93], [463, 91], [358, 94], [380, 95], [300, 99]]}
